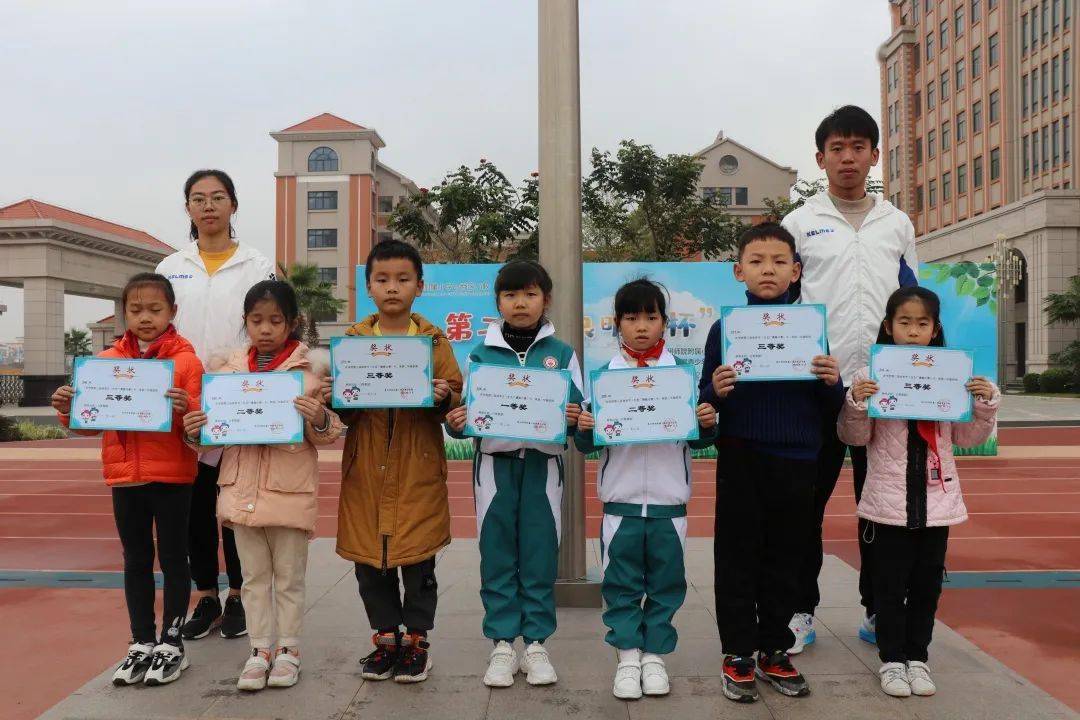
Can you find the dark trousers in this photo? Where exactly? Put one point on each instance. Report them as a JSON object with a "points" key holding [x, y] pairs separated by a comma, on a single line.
{"points": [[830, 463], [203, 535], [137, 511], [763, 515], [383, 602], [908, 569]]}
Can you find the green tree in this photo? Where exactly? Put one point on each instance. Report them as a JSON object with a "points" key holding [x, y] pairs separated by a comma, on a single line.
{"points": [[646, 206], [1064, 307], [778, 208], [77, 343], [314, 296], [473, 215]]}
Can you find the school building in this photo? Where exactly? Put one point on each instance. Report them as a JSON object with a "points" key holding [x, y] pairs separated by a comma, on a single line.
{"points": [[979, 129], [334, 198], [742, 178]]}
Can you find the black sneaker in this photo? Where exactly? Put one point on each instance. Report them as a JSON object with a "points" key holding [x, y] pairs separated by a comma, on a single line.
{"points": [[738, 679], [414, 662], [776, 667], [379, 665], [166, 665], [233, 620], [204, 617], [135, 665]]}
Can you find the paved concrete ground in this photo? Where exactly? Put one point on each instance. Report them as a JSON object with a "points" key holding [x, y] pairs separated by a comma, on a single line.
{"points": [[840, 667]]}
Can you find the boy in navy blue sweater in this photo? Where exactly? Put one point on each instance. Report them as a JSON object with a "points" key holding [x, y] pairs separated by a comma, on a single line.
{"points": [[769, 434]]}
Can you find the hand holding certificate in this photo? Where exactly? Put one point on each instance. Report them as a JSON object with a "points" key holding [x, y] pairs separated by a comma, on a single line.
{"points": [[517, 403], [918, 382], [381, 371], [643, 405], [252, 408], [773, 342], [122, 394]]}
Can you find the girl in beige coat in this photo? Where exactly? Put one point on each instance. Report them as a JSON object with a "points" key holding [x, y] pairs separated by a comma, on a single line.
{"points": [[269, 492]]}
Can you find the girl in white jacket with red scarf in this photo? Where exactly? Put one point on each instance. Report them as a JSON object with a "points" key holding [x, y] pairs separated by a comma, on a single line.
{"points": [[911, 497]]}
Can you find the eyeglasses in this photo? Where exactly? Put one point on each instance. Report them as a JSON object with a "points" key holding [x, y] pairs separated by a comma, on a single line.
{"points": [[201, 201]]}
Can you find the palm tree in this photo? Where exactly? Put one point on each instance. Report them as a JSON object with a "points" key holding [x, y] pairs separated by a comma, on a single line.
{"points": [[1064, 307], [315, 297], [76, 343]]}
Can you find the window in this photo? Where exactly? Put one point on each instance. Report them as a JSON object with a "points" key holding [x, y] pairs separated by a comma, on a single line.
{"points": [[995, 164], [916, 58], [322, 200], [1055, 78], [944, 34], [1035, 152], [327, 275], [976, 117], [1034, 26], [961, 180], [976, 61], [929, 46], [322, 159], [932, 195], [977, 172], [1054, 16], [1024, 96], [992, 4], [993, 51], [961, 127], [1045, 21], [976, 11], [1066, 14], [742, 196], [725, 196], [1024, 34], [930, 97], [995, 106], [958, 22], [946, 187], [918, 199], [914, 11], [1066, 73], [386, 203], [961, 75], [1034, 89], [1045, 84], [945, 85], [1066, 139], [918, 151], [916, 102], [946, 136], [931, 144], [1046, 147], [1056, 135], [1027, 158], [708, 193], [323, 238]]}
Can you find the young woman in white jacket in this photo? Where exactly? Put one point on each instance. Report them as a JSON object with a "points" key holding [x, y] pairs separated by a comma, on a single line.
{"points": [[211, 276], [645, 489]]}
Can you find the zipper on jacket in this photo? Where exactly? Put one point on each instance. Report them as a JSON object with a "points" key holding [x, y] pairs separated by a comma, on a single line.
{"points": [[385, 541]]}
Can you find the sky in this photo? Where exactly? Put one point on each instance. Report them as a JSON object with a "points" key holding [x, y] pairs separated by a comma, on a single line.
{"points": [[109, 106]]}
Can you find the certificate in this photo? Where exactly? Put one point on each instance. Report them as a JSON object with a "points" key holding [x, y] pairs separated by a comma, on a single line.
{"points": [[644, 405], [517, 403], [773, 342], [917, 382], [122, 394], [252, 408], [381, 372]]}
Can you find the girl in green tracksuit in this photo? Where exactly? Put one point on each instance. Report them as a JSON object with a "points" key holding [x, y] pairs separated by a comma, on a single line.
{"points": [[645, 489], [518, 486]]}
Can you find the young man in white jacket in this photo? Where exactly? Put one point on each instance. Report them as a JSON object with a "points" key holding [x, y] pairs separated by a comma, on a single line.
{"points": [[211, 276], [645, 489], [855, 249]]}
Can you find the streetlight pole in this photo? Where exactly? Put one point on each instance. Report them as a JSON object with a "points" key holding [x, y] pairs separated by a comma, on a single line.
{"points": [[560, 253]]}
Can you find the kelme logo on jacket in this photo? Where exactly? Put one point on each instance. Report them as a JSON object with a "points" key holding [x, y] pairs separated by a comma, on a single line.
{"points": [[819, 231]]}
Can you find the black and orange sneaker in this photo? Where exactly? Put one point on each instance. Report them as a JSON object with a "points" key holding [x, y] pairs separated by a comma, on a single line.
{"points": [[414, 662], [379, 665], [738, 684], [776, 667]]}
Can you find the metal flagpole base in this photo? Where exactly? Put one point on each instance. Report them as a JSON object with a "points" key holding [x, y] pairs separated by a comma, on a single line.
{"points": [[583, 593]]}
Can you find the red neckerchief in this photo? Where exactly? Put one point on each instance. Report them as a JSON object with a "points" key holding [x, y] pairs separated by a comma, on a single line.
{"points": [[130, 344], [644, 356], [928, 432], [281, 357]]}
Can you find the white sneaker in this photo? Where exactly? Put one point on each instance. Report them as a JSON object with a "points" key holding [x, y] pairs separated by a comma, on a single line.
{"points": [[537, 666], [654, 678], [167, 664], [135, 665], [894, 679], [502, 665], [628, 680], [802, 626], [253, 676], [918, 675]]}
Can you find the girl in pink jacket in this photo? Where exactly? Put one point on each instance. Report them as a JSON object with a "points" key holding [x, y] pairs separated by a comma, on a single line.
{"points": [[268, 493], [911, 497]]}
